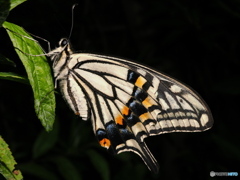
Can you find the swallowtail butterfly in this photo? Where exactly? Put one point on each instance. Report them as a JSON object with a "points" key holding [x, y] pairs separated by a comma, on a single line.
{"points": [[126, 102]]}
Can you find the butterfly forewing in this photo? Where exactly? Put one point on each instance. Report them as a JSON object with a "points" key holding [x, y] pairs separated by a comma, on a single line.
{"points": [[126, 101]]}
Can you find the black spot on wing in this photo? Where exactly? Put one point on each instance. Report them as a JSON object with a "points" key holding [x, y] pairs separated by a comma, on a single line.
{"points": [[136, 107], [131, 119], [132, 76], [139, 94]]}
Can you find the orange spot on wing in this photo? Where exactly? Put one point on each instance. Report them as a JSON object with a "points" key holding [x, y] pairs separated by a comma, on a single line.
{"points": [[145, 116], [119, 120], [140, 81], [105, 143], [125, 110], [147, 102], [77, 113]]}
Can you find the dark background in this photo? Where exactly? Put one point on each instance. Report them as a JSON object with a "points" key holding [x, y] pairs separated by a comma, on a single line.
{"points": [[197, 42]]}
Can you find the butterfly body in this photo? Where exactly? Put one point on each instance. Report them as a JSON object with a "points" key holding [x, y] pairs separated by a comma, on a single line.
{"points": [[126, 101]]}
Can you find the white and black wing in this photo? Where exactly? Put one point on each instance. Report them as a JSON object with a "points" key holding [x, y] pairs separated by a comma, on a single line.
{"points": [[126, 101]]}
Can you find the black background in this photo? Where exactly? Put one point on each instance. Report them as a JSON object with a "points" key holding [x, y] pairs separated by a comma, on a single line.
{"points": [[195, 41]]}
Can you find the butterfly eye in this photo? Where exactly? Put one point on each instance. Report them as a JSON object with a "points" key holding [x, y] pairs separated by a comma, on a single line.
{"points": [[63, 42]]}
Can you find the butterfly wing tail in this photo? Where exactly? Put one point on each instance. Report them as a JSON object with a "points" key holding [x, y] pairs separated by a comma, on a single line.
{"points": [[142, 150], [149, 159]]}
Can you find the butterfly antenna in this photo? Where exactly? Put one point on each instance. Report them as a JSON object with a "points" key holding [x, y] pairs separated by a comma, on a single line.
{"points": [[70, 34], [32, 40]]}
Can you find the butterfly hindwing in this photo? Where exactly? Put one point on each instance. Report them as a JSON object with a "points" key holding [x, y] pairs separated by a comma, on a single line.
{"points": [[126, 101]]}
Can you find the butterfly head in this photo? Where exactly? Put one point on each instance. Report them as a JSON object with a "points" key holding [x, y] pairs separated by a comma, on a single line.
{"points": [[63, 48]]}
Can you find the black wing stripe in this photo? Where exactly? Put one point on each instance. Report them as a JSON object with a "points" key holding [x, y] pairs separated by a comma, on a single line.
{"points": [[91, 96], [174, 106], [120, 84], [102, 67]]}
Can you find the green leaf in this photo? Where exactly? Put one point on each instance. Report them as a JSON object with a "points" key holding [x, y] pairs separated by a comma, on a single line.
{"points": [[7, 162], [13, 77], [99, 163], [15, 3], [6, 6], [4, 10], [38, 71]]}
